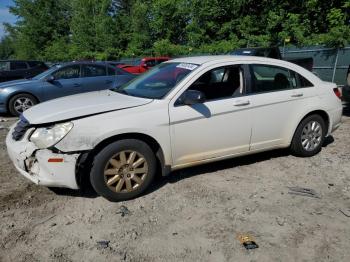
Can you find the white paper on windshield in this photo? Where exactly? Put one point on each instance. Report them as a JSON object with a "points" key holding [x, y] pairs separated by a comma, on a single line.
{"points": [[187, 66]]}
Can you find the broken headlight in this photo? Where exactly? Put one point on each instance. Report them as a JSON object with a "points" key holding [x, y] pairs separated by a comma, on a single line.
{"points": [[45, 137]]}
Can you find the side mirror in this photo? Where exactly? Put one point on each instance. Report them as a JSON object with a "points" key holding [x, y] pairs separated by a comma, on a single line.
{"points": [[191, 97], [50, 79]]}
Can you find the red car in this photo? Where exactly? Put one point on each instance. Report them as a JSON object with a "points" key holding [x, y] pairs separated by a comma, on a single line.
{"points": [[140, 66]]}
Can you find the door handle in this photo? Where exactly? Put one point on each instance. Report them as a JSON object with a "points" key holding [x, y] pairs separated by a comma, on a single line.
{"points": [[242, 103], [297, 95], [108, 81], [77, 85]]}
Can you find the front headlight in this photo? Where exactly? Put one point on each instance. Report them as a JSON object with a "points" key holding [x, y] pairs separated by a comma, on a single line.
{"points": [[45, 137]]}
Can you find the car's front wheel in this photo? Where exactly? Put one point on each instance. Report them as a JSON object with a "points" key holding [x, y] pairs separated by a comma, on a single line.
{"points": [[123, 170], [20, 103], [309, 136]]}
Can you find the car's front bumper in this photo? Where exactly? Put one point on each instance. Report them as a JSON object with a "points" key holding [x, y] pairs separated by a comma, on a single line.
{"points": [[42, 166]]}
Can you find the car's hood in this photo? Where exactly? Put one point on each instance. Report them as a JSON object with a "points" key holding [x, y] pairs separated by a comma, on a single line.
{"points": [[17, 82], [81, 105]]}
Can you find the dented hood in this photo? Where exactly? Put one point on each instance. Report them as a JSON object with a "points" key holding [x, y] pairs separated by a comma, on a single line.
{"points": [[81, 105]]}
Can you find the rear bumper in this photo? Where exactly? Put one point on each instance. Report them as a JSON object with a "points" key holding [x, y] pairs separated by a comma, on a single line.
{"points": [[335, 119], [33, 163]]}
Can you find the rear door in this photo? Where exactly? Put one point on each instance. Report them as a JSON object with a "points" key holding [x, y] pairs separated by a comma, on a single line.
{"points": [[278, 97], [67, 81], [95, 77]]}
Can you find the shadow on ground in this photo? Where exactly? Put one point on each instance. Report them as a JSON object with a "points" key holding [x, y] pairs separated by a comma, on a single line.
{"points": [[176, 176], [88, 191]]}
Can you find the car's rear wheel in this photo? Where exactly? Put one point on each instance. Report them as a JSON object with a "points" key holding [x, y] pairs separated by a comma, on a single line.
{"points": [[309, 136], [123, 170], [20, 103]]}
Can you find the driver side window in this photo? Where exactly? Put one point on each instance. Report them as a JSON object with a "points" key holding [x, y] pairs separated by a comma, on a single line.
{"points": [[68, 72], [219, 83]]}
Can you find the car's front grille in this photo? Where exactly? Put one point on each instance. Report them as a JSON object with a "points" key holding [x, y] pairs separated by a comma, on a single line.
{"points": [[20, 129]]}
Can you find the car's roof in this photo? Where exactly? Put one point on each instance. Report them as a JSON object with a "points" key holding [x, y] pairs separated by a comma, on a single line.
{"points": [[84, 62], [216, 59], [200, 60]]}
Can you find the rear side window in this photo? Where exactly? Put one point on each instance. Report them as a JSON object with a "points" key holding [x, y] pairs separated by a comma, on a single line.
{"points": [[94, 70], [17, 65], [120, 71], [303, 82], [4, 66], [150, 63], [267, 78], [112, 71], [33, 63], [36, 64]]}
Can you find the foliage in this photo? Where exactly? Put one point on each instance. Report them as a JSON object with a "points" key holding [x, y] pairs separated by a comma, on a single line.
{"points": [[58, 30]]}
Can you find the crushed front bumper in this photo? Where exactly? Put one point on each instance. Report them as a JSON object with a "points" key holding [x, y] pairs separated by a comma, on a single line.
{"points": [[42, 166]]}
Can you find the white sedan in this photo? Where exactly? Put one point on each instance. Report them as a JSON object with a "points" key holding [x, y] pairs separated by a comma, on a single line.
{"points": [[184, 112]]}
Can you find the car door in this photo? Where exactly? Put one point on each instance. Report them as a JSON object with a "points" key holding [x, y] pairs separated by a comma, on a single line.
{"points": [[95, 77], [221, 126], [66, 81], [278, 97]]}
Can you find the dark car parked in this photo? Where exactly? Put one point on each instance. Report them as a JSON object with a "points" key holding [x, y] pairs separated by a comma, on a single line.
{"points": [[274, 52], [346, 88], [60, 80], [12, 70]]}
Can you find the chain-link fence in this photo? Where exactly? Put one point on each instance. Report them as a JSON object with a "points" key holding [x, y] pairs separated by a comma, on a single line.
{"points": [[330, 64]]}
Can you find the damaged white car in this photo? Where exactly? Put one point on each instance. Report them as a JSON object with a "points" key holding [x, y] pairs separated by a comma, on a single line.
{"points": [[182, 113]]}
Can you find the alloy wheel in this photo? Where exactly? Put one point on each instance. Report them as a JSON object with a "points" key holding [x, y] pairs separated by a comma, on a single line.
{"points": [[125, 171], [311, 135], [21, 104]]}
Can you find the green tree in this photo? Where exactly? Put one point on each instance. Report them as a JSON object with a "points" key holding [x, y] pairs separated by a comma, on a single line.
{"points": [[40, 22], [6, 47]]}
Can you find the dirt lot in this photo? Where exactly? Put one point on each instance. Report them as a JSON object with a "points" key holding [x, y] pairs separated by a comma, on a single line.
{"points": [[193, 215]]}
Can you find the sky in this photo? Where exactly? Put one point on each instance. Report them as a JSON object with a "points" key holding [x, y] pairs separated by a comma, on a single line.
{"points": [[5, 16]]}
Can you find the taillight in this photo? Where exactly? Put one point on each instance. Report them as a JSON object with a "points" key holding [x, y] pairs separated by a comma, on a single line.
{"points": [[337, 92]]}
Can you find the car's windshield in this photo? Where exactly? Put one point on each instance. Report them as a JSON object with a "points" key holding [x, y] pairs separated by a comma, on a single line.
{"points": [[47, 72], [157, 82]]}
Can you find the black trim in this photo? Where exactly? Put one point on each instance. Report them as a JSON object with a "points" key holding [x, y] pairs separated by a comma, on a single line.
{"points": [[246, 82], [298, 78]]}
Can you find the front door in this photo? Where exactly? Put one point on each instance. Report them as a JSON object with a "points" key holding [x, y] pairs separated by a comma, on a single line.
{"points": [[66, 82], [221, 126]]}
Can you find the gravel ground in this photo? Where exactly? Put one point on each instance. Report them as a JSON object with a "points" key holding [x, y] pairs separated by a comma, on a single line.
{"points": [[193, 215]]}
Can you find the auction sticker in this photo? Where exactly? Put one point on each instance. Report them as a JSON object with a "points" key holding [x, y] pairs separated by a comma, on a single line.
{"points": [[187, 66]]}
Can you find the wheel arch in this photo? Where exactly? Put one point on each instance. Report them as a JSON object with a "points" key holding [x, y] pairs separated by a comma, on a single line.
{"points": [[85, 160], [18, 93], [319, 112]]}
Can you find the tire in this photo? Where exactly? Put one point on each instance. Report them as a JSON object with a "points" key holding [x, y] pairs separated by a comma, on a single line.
{"points": [[27, 102], [304, 136], [110, 166]]}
